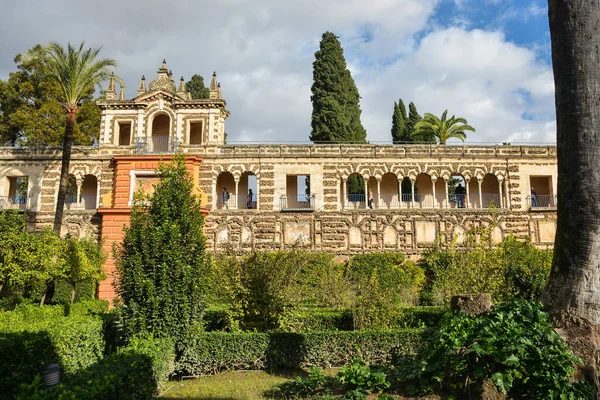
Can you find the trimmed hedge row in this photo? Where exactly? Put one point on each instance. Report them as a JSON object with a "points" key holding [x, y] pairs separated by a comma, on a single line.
{"points": [[338, 319], [134, 372], [32, 337], [212, 352]]}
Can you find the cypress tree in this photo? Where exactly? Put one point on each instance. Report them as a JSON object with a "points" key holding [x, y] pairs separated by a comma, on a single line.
{"points": [[400, 130], [335, 98], [413, 119], [161, 261]]}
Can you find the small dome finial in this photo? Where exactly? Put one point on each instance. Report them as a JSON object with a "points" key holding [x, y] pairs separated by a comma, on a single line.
{"points": [[143, 77]]}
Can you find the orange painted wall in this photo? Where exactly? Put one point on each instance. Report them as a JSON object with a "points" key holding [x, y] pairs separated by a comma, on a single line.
{"points": [[117, 215]]}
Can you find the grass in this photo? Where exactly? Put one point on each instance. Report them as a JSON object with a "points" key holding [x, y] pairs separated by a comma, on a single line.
{"points": [[238, 385]]}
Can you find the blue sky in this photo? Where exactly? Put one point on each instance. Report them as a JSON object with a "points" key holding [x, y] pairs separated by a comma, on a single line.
{"points": [[485, 60]]}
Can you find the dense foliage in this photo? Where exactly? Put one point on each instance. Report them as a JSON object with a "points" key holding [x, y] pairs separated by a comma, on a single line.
{"points": [[31, 106], [513, 269], [265, 290], [335, 98], [514, 345], [31, 263], [443, 128], [161, 261]]}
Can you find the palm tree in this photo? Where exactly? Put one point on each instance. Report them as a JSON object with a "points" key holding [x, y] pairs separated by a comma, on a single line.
{"points": [[78, 72], [441, 128]]}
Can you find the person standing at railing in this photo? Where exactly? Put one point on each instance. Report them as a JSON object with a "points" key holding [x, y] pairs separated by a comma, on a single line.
{"points": [[534, 202], [460, 195], [249, 199], [226, 197], [370, 198]]}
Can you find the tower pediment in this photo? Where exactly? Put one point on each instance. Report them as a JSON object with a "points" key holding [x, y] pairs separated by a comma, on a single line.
{"points": [[157, 94]]}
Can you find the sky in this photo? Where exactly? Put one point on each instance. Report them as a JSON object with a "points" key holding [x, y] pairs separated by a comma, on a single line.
{"points": [[485, 60]]}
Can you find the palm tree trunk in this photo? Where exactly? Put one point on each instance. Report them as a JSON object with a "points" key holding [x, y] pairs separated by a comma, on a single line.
{"points": [[572, 295], [72, 294], [64, 170]]}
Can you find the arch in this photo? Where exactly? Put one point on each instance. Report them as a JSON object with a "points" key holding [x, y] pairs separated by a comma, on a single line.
{"points": [[457, 191], [71, 197], [389, 191], [225, 191], [355, 192], [160, 133], [373, 193], [424, 196], [490, 191], [89, 192], [406, 190], [248, 191]]}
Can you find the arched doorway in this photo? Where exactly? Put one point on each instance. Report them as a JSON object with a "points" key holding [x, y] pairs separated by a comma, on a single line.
{"points": [[71, 197], [161, 125], [490, 192], [248, 191], [407, 192], [355, 192], [389, 192], [457, 191], [226, 196], [89, 193], [424, 198]]}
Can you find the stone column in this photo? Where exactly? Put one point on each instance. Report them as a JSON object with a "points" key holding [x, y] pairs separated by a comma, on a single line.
{"points": [[237, 197], [479, 181], [344, 193], [378, 192], [433, 181], [412, 193], [98, 198], [257, 193], [506, 194], [366, 191], [400, 192], [78, 183], [467, 199], [501, 200], [447, 197]]}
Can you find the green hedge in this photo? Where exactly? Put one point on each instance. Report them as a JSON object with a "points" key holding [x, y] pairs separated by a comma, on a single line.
{"points": [[25, 348], [32, 337], [211, 352], [134, 372]]}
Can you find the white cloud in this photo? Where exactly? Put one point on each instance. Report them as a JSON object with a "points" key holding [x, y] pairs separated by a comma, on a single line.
{"points": [[263, 52]]}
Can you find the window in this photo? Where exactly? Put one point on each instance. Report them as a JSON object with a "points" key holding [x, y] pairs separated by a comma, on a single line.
{"points": [[18, 188], [541, 194], [124, 133], [196, 132]]}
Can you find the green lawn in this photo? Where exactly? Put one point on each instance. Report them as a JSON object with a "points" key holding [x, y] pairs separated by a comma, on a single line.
{"points": [[240, 385]]}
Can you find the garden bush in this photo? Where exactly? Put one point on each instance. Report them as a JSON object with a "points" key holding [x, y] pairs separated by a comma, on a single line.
{"points": [[514, 345], [212, 352], [135, 372], [33, 336], [515, 269]]}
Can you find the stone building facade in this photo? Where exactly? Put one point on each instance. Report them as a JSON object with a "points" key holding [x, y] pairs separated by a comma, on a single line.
{"points": [[408, 196]]}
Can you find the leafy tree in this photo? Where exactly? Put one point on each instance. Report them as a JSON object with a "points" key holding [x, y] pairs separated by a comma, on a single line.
{"points": [[77, 72], [196, 86], [335, 99], [356, 184], [31, 112], [443, 128], [161, 261], [84, 258], [400, 125]]}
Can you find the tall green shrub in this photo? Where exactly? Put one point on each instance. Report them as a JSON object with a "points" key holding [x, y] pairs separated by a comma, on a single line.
{"points": [[161, 261]]}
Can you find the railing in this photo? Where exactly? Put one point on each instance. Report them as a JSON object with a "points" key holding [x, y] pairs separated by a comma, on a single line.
{"points": [[421, 201], [297, 202], [541, 201], [156, 144], [86, 202], [241, 202], [14, 203]]}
